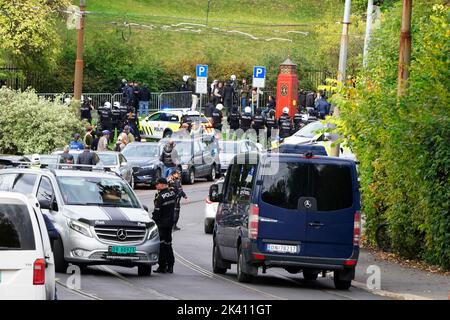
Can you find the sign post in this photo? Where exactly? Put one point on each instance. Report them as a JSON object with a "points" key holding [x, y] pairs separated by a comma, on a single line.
{"points": [[259, 80], [201, 85]]}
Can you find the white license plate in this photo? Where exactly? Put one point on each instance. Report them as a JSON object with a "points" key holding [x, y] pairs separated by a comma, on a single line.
{"points": [[282, 248]]}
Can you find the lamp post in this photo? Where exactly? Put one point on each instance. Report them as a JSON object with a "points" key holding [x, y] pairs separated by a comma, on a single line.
{"points": [[79, 63]]}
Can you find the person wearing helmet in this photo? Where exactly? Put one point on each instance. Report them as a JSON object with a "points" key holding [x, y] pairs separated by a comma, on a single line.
{"points": [[246, 119], [297, 120], [85, 109], [217, 117], [228, 96], [285, 124], [234, 118], [105, 116], [115, 117], [258, 123], [271, 125]]}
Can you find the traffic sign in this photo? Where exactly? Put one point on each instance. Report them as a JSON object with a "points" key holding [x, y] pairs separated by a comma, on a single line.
{"points": [[259, 77], [201, 85]]}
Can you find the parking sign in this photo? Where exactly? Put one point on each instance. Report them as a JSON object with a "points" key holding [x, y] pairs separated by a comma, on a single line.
{"points": [[259, 77], [202, 71], [202, 79]]}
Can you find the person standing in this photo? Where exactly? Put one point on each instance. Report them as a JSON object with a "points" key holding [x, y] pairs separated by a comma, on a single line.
{"points": [[169, 158], [285, 124], [105, 116], [322, 106], [76, 144], [217, 117], [163, 215], [175, 184], [94, 144], [85, 109], [66, 157], [234, 119], [258, 123], [271, 126], [88, 138], [218, 94], [144, 100], [103, 142], [228, 94], [246, 119], [87, 158], [130, 136], [115, 116], [120, 144], [297, 121], [244, 91]]}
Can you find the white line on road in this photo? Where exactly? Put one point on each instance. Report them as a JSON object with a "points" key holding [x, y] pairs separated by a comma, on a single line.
{"points": [[79, 292]]}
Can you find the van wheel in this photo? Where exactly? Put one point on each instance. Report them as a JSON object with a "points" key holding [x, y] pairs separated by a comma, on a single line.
{"points": [[216, 261], [212, 174], [191, 178], [341, 284], [60, 263], [144, 271], [242, 276], [310, 275]]}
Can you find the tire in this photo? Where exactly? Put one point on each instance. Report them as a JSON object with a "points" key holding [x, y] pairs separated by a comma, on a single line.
{"points": [[310, 275], [216, 260], [341, 284], [58, 251], [157, 176], [212, 175], [191, 178], [144, 270], [383, 238], [132, 184], [209, 227], [242, 276]]}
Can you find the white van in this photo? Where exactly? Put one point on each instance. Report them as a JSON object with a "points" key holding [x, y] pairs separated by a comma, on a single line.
{"points": [[27, 270]]}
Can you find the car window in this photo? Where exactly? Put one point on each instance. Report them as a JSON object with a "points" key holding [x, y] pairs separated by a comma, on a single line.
{"points": [[16, 229], [45, 190], [141, 151], [310, 130], [330, 185], [155, 117], [172, 117], [239, 187], [122, 158], [22, 182], [108, 159]]}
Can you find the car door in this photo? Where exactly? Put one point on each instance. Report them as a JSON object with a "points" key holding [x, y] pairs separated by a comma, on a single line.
{"points": [[208, 159], [45, 191], [124, 168], [149, 128], [198, 159]]}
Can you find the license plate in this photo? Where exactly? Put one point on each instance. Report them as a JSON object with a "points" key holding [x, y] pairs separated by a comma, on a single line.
{"points": [[282, 248], [122, 250]]}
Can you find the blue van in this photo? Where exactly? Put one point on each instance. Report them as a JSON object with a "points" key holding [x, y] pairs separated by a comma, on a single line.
{"points": [[291, 211]]}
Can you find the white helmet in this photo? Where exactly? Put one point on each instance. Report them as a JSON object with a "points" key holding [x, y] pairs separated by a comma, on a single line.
{"points": [[305, 117], [116, 104], [219, 106], [67, 100], [35, 158], [286, 110], [248, 110], [185, 78], [233, 77], [108, 105]]}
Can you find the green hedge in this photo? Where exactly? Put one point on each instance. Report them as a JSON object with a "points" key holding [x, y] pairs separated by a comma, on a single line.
{"points": [[404, 144]]}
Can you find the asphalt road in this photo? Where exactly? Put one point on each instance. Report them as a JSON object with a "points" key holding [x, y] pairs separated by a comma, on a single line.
{"points": [[193, 277]]}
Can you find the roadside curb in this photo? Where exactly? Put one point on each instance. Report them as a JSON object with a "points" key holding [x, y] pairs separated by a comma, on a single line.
{"points": [[389, 294]]}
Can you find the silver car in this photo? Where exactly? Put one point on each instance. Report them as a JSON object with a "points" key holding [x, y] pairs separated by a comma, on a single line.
{"points": [[99, 218], [117, 162]]}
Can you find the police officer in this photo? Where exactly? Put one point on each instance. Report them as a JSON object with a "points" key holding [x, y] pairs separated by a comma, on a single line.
{"points": [[234, 118], [246, 119], [217, 117], [271, 124], [132, 121], [258, 122], [297, 121], [105, 116], [175, 184], [285, 123], [163, 215], [123, 114], [115, 112], [85, 109], [185, 118]]}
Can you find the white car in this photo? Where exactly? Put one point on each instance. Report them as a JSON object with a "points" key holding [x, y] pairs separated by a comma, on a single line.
{"points": [[211, 209], [228, 149], [27, 268]]}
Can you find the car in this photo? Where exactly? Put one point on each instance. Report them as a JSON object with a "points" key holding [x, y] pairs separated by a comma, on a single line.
{"points": [[27, 266], [164, 123], [118, 163], [143, 157], [300, 213], [314, 149], [75, 154], [229, 148], [97, 214], [211, 208], [13, 161], [197, 159]]}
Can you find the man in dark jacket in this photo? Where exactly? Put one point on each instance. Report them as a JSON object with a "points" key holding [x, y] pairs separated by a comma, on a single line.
{"points": [[258, 122], [175, 184], [144, 98], [217, 117], [322, 106], [271, 124], [246, 119], [86, 158], [163, 215], [234, 119], [169, 157], [297, 121], [228, 95]]}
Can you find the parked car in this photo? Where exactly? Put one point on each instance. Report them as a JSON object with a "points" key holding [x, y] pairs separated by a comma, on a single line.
{"points": [[27, 267], [13, 161], [288, 211], [197, 159], [117, 162], [211, 208], [97, 214], [314, 149], [143, 158], [228, 149], [75, 154]]}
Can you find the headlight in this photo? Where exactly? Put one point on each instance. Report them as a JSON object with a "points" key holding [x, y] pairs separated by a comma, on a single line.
{"points": [[153, 232], [151, 167], [80, 227], [185, 166]]}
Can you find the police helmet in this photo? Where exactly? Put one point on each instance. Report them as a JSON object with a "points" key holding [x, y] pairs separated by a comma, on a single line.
{"points": [[219, 106], [108, 105], [233, 77], [286, 110], [248, 110], [186, 78], [116, 104]]}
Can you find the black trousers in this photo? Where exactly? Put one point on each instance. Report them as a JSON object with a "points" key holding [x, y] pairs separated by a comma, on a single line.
{"points": [[166, 257], [176, 214]]}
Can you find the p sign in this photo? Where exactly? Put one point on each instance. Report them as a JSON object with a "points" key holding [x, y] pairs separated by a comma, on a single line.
{"points": [[202, 71], [259, 77]]}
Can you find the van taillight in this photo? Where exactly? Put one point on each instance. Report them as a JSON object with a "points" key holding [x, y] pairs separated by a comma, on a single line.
{"points": [[253, 221], [357, 229], [39, 272]]}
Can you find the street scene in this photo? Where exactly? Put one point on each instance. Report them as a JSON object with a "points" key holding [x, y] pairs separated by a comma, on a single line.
{"points": [[182, 152]]}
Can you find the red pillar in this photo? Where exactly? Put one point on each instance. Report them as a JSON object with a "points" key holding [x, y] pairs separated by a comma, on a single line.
{"points": [[287, 88]]}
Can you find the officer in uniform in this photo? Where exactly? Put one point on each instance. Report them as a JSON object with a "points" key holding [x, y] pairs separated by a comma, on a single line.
{"points": [[246, 119], [105, 116], [163, 215], [123, 114], [175, 184], [234, 118], [285, 123], [297, 121], [85, 109], [258, 122], [132, 121], [115, 112], [217, 117], [271, 124]]}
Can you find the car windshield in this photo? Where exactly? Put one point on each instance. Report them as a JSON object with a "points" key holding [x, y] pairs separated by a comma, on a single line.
{"points": [[196, 118], [141, 151], [310, 130], [108, 159], [87, 191], [230, 147], [16, 229]]}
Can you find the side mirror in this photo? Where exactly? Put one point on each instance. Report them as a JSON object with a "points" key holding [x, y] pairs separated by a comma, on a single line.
{"points": [[123, 164], [145, 208], [214, 195], [45, 204]]}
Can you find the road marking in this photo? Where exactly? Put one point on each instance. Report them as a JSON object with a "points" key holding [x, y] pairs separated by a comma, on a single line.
{"points": [[80, 292], [203, 271], [389, 294]]}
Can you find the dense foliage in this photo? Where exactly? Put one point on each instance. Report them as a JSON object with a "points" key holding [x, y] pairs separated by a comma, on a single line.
{"points": [[404, 144], [29, 124]]}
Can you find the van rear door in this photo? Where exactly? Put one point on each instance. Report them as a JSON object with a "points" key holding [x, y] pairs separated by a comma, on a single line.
{"points": [[19, 249]]}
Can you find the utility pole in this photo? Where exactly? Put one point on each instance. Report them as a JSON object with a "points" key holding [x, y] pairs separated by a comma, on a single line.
{"points": [[368, 31], [404, 59], [342, 62], [79, 64], [207, 12]]}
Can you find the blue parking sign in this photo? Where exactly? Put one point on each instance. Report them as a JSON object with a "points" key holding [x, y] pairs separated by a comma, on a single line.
{"points": [[202, 71], [259, 72]]}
